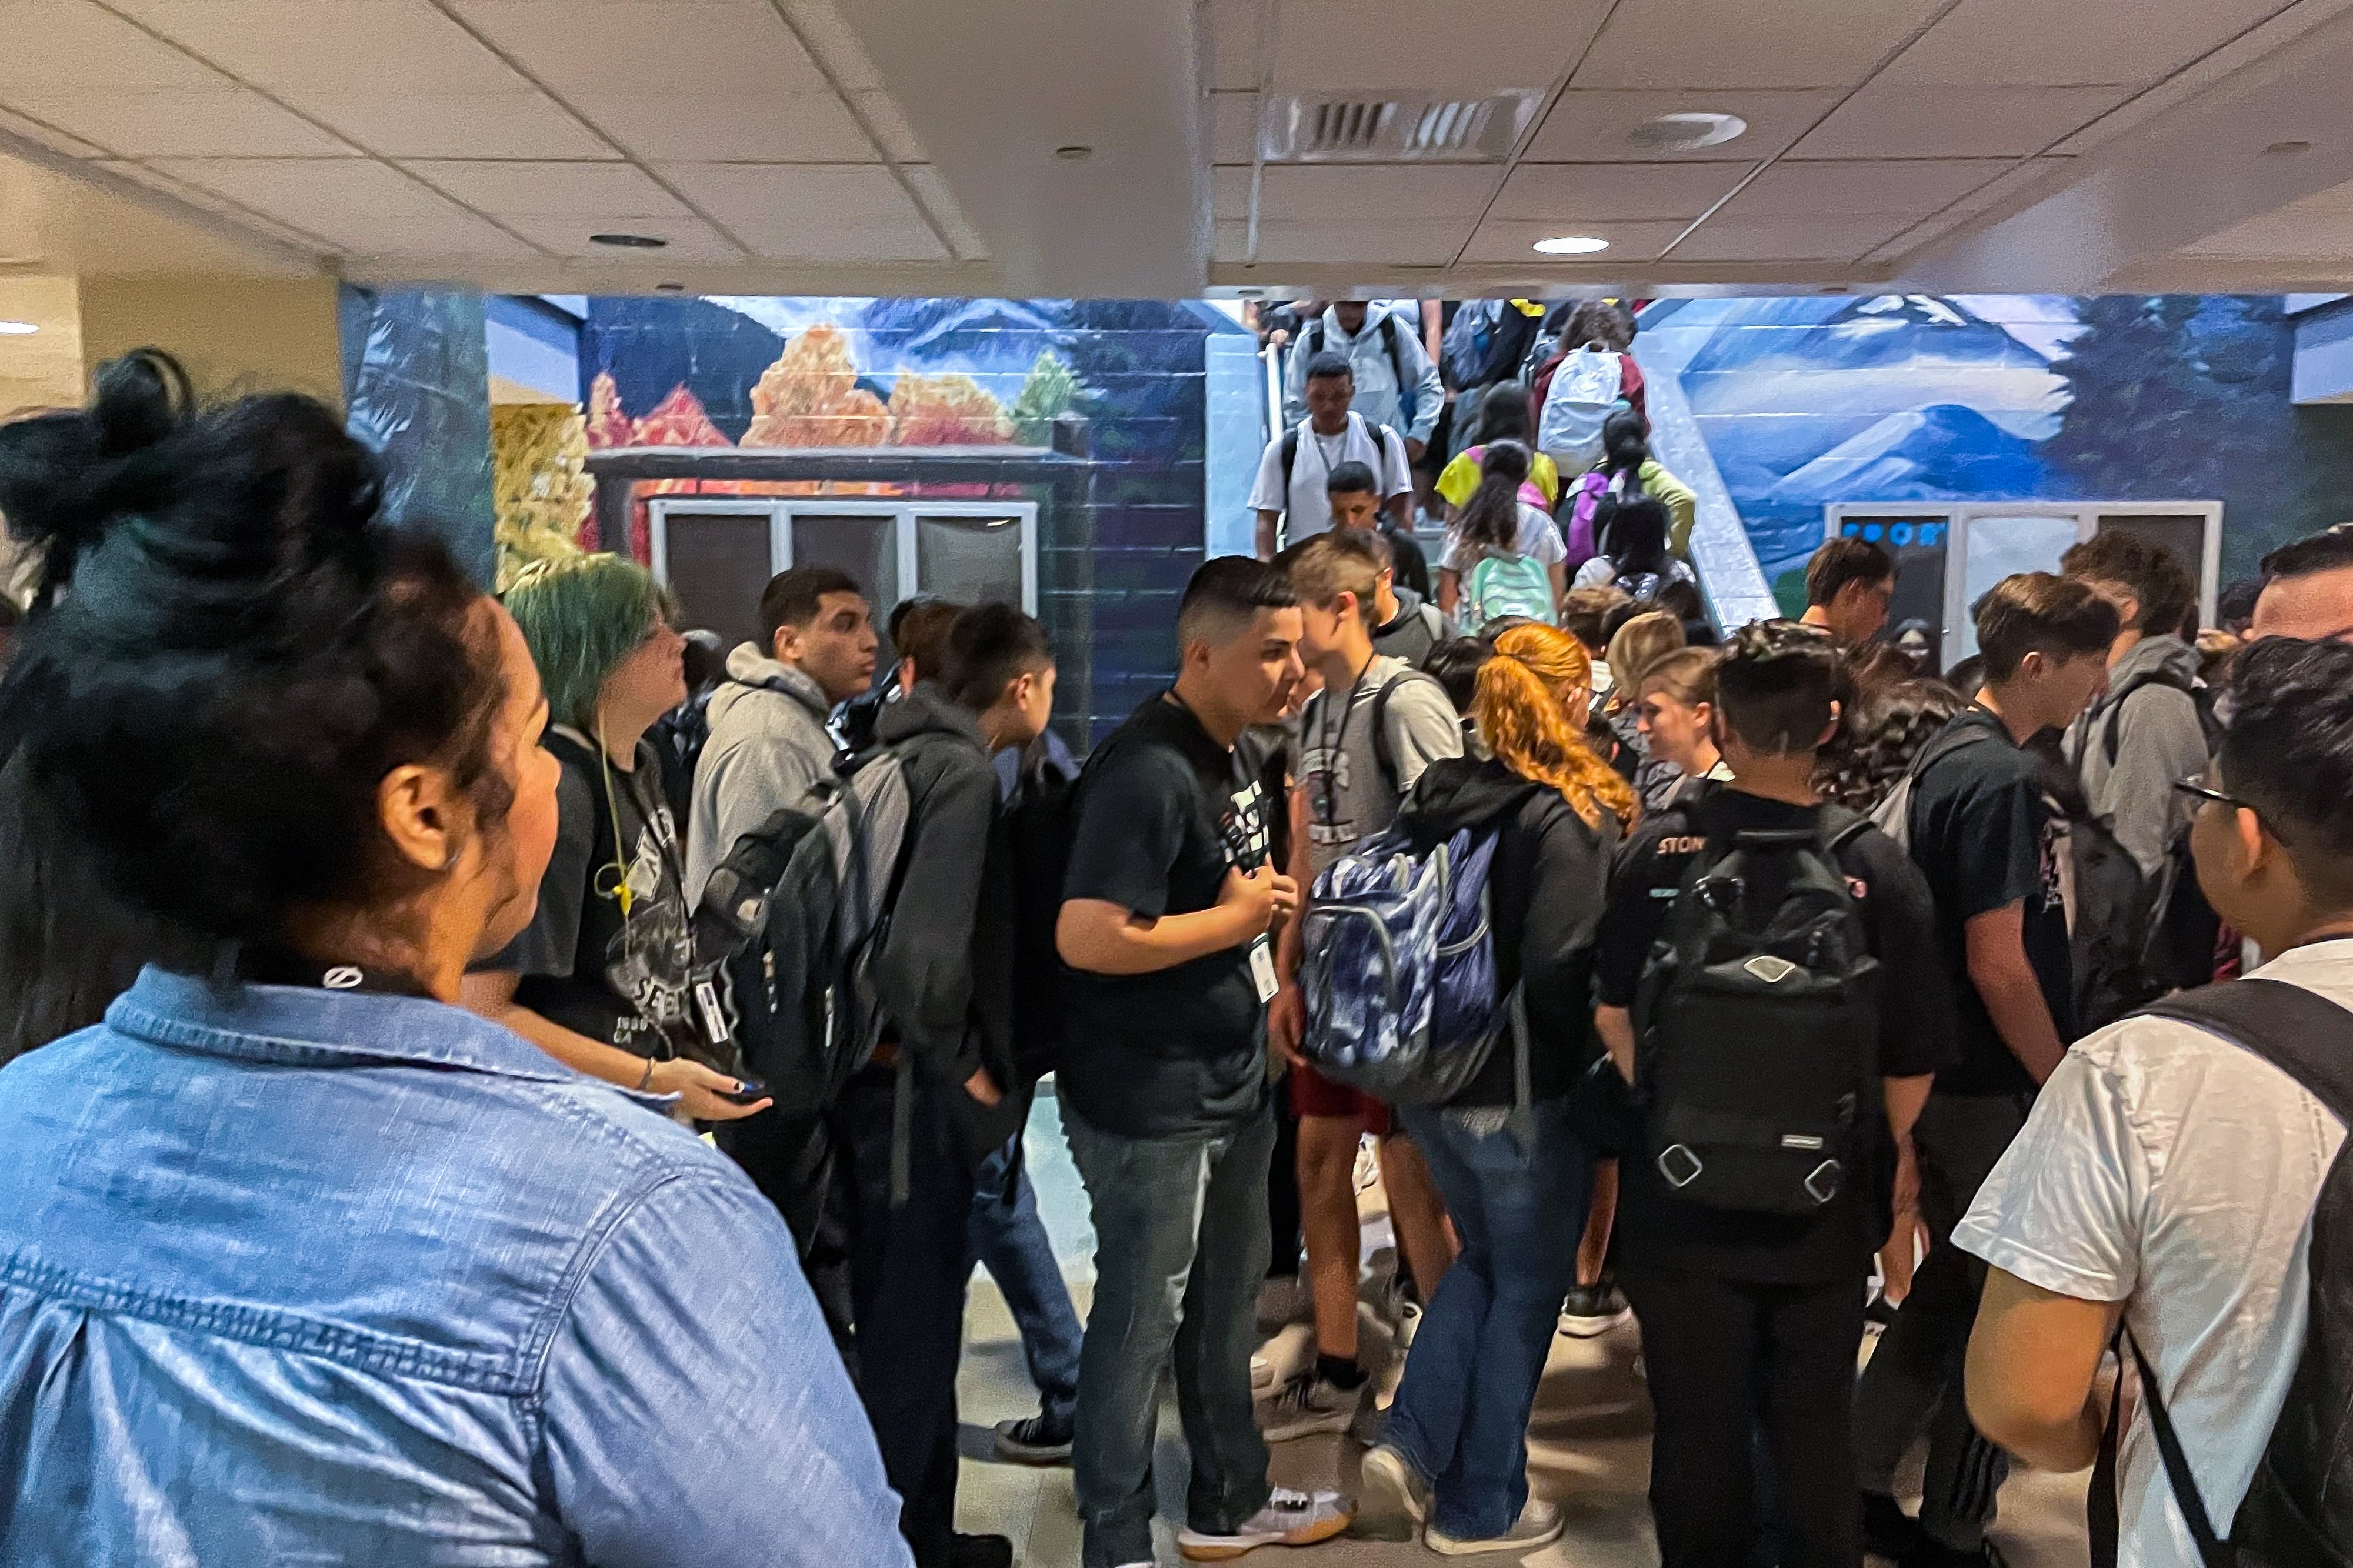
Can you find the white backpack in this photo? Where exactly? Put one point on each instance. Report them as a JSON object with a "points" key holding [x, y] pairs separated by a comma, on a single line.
{"points": [[1583, 392]]}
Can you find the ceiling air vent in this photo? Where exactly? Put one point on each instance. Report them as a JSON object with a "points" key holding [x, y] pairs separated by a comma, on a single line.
{"points": [[1394, 128]]}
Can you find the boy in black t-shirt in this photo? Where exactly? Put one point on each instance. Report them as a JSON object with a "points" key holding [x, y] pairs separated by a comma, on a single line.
{"points": [[1730, 1303], [1993, 848], [1168, 906]]}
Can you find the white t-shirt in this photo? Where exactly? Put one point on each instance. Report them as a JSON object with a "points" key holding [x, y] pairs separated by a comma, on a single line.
{"points": [[1308, 512], [2168, 1169], [1599, 572], [1539, 537]]}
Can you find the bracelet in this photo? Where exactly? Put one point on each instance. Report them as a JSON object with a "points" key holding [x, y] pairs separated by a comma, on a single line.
{"points": [[647, 1081]]}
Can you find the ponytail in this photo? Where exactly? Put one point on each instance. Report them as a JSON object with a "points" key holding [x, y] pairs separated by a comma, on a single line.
{"points": [[1526, 727], [1490, 518]]}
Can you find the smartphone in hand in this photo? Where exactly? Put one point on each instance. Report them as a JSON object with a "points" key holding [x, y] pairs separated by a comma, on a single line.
{"points": [[748, 1091]]}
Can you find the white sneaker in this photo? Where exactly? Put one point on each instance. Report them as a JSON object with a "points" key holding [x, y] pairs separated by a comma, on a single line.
{"points": [[1289, 1519], [1391, 1488], [1308, 1405], [1261, 1374], [1538, 1523]]}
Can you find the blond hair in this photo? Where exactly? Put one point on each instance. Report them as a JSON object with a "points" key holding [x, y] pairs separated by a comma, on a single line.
{"points": [[1524, 723], [1640, 643]]}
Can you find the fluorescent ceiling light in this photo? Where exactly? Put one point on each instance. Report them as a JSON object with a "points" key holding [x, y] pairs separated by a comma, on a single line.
{"points": [[1572, 245], [16, 329]]}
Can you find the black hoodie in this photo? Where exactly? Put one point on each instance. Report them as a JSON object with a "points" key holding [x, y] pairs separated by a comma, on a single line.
{"points": [[1546, 889], [945, 971]]}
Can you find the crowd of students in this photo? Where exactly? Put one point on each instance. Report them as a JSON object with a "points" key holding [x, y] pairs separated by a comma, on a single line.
{"points": [[386, 946]]}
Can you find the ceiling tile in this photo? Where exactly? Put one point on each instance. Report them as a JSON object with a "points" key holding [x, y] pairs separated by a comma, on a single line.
{"points": [[1229, 186], [932, 192], [1905, 189], [398, 76], [48, 136], [690, 239], [359, 206], [1511, 242], [551, 190], [1565, 194], [1233, 127], [2319, 227], [1903, 120], [217, 121], [803, 212], [1357, 46], [724, 48], [1743, 43], [55, 43], [1402, 243], [210, 200], [1233, 44], [2033, 43], [1369, 193], [1733, 239], [1592, 126], [891, 128]]}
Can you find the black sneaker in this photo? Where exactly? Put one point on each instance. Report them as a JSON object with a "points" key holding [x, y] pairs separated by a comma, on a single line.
{"points": [[1887, 1531], [980, 1551], [1935, 1554], [1035, 1440], [1589, 1311]]}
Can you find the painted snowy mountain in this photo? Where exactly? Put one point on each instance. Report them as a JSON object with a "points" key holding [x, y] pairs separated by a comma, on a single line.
{"points": [[1922, 454]]}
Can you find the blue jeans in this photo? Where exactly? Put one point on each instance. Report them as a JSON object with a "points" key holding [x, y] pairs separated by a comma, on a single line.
{"points": [[1007, 1236], [1461, 1416], [1180, 1248]]}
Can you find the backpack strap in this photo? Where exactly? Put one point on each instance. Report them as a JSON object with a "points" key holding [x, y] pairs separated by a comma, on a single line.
{"points": [[1290, 459], [2116, 701], [2308, 1038], [1388, 329], [1839, 827]]}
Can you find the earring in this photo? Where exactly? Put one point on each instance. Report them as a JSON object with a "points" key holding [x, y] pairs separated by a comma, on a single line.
{"points": [[449, 861]]}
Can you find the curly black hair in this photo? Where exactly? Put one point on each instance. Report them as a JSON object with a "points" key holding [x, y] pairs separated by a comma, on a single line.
{"points": [[227, 652], [1889, 726], [2288, 752]]}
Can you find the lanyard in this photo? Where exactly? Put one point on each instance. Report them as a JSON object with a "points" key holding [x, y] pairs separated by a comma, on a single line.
{"points": [[1327, 740]]}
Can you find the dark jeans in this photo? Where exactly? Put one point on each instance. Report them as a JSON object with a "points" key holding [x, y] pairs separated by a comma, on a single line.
{"points": [[1181, 1247], [1914, 1381], [1710, 1345], [908, 1270], [1283, 1190], [793, 1164], [1011, 1242], [1461, 1416]]}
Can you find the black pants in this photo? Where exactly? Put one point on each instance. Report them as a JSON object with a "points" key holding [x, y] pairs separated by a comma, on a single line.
{"points": [[793, 1163], [1912, 1384], [1283, 1189], [1713, 1346], [908, 1266]]}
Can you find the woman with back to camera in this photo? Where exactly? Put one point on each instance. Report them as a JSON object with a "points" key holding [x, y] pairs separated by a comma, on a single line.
{"points": [[1454, 1452], [298, 1259], [1502, 556], [1639, 560], [1626, 470]]}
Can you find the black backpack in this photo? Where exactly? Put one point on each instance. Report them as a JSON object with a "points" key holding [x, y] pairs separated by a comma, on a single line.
{"points": [[2181, 927], [2298, 1510], [791, 923], [1757, 1024], [1041, 816], [2109, 942]]}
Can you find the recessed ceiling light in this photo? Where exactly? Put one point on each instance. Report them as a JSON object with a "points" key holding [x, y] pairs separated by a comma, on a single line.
{"points": [[16, 329], [1686, 132], [2286, 149], [1572, 245], [629, 241], [669, 288], [1075, 154]]}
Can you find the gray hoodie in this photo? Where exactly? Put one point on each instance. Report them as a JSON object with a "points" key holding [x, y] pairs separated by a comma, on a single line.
{"points": [[2158, 739], [768, 744]]}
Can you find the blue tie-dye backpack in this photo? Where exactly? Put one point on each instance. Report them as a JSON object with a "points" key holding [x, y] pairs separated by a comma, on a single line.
{"points": [[1399, 971]]}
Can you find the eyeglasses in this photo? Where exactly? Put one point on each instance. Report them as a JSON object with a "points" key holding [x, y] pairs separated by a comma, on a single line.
{"points": [[2196, 784]]}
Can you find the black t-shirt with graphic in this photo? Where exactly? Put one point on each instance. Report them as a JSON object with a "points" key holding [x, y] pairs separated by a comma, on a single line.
{"points": [[1985, 835], [622, 978], [1163, 814]]}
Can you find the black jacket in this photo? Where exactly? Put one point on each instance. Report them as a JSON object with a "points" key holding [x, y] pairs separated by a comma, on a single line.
{"points": [[1547, 890], [945, 971]]}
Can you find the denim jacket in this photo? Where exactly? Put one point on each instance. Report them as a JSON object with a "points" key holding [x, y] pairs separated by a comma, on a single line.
{"points": [[294, 1275]]}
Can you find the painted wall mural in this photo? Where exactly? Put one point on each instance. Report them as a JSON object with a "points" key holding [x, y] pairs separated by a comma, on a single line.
{"points": [[539, 454], [965, 375], [1806, 400], [417, 391]]}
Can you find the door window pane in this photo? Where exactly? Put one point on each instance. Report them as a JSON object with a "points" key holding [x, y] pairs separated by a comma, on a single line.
{"points": [[1917, 542], [970, 559], [2184, 533], [1999, 547], [864, 545], [718, 564]]}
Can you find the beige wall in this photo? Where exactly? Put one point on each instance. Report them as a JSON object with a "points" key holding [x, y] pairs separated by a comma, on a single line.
{"points": [[235, 335], [44, 369]]}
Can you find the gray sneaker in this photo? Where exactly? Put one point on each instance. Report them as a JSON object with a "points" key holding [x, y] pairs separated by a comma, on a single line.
{"points": [[1392, 1488], [1289, 1519], [1538, 1523], [1308, 1405]]}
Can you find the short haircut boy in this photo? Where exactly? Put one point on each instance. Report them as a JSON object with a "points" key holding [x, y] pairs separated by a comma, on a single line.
{"points": [[2154, 574], [1226, 595], [919, 631], [1330, 363], [986, 648], [793, 598], [1843, 560], [1776, 683], [1352, 478], [2034, 612], [2289, 754], [2330, 550], [1585, 612], [1341, 561]]}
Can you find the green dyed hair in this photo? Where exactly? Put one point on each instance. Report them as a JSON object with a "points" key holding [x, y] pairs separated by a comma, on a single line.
{"points": [[582, 616]]}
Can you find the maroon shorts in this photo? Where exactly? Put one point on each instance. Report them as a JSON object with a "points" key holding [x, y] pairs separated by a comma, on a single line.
{"points": [[1313, 1094]]}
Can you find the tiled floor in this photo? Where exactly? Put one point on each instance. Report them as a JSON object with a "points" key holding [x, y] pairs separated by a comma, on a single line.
{"points": [[1588, 1442]]}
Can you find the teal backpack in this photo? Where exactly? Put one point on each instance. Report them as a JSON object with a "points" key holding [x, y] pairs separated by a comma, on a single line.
{"points": [[1507, 585]]}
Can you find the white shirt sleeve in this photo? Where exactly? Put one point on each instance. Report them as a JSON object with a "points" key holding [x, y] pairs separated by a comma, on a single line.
{"points": [[1596, 573], [1396, 472], [2063, 1209], [1450, 553], [1540, 537], [1266, 494]]}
